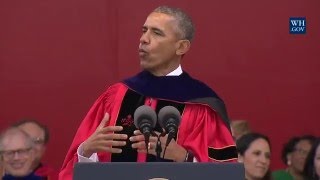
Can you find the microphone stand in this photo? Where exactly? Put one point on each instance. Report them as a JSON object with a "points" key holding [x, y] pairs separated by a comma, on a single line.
{"points": [[159, 147]]}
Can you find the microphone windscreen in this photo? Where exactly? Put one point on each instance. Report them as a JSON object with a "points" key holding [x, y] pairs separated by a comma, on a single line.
{"points": [[168, 112], [145, 112]]}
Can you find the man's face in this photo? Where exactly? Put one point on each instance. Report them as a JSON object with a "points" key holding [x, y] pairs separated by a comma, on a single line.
{"points": [[37, 135], [17, 155], [159, 43]]}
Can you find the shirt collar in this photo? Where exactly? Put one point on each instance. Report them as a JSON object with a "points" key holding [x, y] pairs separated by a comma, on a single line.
{"points": [[176, 72]]}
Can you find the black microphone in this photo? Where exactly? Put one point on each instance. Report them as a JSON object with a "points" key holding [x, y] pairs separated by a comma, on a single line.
{"points": [[169, 119], [145, 119]]}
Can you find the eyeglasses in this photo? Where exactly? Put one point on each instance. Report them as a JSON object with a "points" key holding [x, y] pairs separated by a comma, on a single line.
{"points": [[301, 151], [38, 141], [10, 154]]}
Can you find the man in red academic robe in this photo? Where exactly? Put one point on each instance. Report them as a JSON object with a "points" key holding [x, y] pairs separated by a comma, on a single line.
{"points": [[108, 133]]}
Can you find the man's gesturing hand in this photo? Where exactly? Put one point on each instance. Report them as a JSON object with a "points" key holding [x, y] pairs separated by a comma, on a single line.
{"points": [[104, 138]]}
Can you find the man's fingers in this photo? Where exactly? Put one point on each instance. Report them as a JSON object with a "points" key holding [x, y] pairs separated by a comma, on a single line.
{"points": [[137, 132], [139, 145], [103, 128], [115, 136], [114, 143], [114, 150], [141, 138], [104, 121], [153, 139], [112, 129], [109, 146], [142, 145], [110, 149], [136, 138]]}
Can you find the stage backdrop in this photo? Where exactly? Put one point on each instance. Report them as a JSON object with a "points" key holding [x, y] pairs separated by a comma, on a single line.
{"points": [[58, 56]]}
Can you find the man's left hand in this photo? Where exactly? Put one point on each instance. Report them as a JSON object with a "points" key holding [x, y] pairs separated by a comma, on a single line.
{"points": [[173, 152]]}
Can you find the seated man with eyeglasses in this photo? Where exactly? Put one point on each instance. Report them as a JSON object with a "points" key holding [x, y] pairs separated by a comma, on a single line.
{"points": [[39, 134], [17, 154]]}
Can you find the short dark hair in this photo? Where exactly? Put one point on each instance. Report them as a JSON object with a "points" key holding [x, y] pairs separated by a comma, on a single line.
{"points": [[244, 142], [43, 127], [309, 169], [185, 23], [290, 146]]}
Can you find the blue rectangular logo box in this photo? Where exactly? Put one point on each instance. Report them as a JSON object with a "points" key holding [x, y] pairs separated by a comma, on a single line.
{"points": [[297, 25]]}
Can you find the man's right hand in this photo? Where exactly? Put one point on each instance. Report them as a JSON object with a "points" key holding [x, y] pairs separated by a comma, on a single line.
{"points": [[104, 138]]}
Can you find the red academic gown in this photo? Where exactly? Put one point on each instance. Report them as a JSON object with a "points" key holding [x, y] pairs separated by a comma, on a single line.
{"points": [[202, 130]]}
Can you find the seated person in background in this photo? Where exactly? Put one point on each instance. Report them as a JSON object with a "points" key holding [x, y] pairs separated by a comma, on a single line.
{"points": [[312, 165], [254, 152], [294, 155], [17, 153], [40, 136], [239, 128]]}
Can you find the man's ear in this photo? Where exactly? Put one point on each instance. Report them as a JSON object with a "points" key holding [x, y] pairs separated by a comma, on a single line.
{"points": [[32, 153], [240, 158], [183, 47]]}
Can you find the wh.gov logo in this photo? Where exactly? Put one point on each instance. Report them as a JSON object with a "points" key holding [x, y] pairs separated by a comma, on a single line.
{"points": [[297, 25]]}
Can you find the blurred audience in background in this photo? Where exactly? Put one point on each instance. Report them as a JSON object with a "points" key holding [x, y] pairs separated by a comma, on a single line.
{"points": [[294, 155], [23, 146], [312, 165], [239, 128], [17, 153], [254, 152], [39, 134], [1, 168]]}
